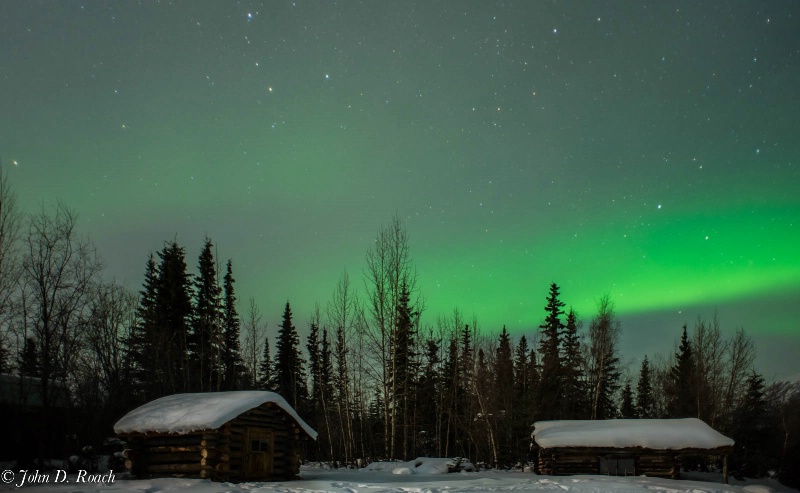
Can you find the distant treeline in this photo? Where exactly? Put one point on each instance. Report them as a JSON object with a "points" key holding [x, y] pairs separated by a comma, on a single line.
{"points": [[371, 377]]}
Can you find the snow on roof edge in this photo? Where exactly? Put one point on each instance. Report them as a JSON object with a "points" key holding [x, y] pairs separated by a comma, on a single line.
{"points": [[660, 434], [186, 413]]}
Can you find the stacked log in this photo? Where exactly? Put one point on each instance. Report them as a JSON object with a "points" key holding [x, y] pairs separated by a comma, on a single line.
{"points": [[658, 465], [585, 460], [566, 463], [547, 462], [193, 454]]}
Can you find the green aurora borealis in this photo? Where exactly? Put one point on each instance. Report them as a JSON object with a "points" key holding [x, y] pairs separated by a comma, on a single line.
{"points": [[649, 152]]}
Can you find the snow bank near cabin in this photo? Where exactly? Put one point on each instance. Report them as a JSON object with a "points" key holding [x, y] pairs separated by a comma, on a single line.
{"points": [[662, 434], [421, 465], [185, 413]]}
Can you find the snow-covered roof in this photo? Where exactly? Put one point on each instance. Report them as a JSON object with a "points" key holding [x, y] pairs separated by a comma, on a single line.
{"points": [[185, 413], [656, 434]]}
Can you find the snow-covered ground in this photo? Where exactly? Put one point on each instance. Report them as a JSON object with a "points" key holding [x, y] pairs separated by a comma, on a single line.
{"points": [[423, 477]]}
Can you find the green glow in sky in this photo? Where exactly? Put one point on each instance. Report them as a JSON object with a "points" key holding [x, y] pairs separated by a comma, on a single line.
{"points": [[648, 152], [677, 261]]}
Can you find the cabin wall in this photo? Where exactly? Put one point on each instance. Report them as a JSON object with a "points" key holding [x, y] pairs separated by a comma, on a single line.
{"points": [[560, 462]]}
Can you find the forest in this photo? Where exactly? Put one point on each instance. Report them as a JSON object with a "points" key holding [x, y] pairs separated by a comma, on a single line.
{"points": [[374, 377]]}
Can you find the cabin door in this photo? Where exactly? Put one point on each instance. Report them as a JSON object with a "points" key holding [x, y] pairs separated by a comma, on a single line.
{"points": [[614, 465], [259, 453]]}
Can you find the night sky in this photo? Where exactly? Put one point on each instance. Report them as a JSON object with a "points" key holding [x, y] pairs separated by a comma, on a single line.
{"points": [[644, 150]]}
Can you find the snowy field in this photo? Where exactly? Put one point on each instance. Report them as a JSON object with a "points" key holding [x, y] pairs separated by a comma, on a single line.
{"points": [[407, 477]]}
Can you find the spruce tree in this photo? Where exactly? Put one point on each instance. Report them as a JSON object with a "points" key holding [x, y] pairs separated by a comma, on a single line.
{"points": [[315, 415], [174, 314], [143, 338], [504, 396], [465, 382], [522, 382], [549, 395], [465, 360], [430, 402], [325, 395], [682, 403], [523, 413], [575, 403], [314, 364], [535, 378], [645, 401], [402, 353], [454, 394], [752, 432], [325, 366], [504, 371], [627, 409], [288, 372], [326, 374], [232, 363], [341, 393], [28, 362], [205, 341], [264, 381]]}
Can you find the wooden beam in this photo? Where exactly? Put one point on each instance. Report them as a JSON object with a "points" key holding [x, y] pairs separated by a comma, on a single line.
{"points": [[725, 469]]}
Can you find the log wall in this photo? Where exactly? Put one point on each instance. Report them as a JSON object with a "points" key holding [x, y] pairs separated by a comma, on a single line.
{"points": [[558, 462], [202, 454], [658, 465]]}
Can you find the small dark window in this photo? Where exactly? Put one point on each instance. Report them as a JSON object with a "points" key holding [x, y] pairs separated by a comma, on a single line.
{"points": [[259, 446]]}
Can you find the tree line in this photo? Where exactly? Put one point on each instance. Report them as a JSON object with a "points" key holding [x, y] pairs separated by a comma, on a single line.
{"points": [[374, 379]]}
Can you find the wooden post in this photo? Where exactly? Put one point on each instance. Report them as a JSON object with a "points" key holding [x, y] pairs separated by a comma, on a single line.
{"points": [[725, 469]]}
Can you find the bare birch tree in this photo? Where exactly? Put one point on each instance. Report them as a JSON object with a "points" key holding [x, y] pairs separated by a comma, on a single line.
{"points": [[604, 333], [389, 267], [254, 334], [709, 350], [112, 315], [9, 262], [740, 356], [59, 270], [342, 314]]}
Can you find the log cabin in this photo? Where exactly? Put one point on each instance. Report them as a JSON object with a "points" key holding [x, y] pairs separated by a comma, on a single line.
{"points": [[224, 436], [630, 447]]}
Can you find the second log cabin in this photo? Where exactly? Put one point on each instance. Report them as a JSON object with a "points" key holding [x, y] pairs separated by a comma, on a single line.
{"points": [[625, 447]]}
